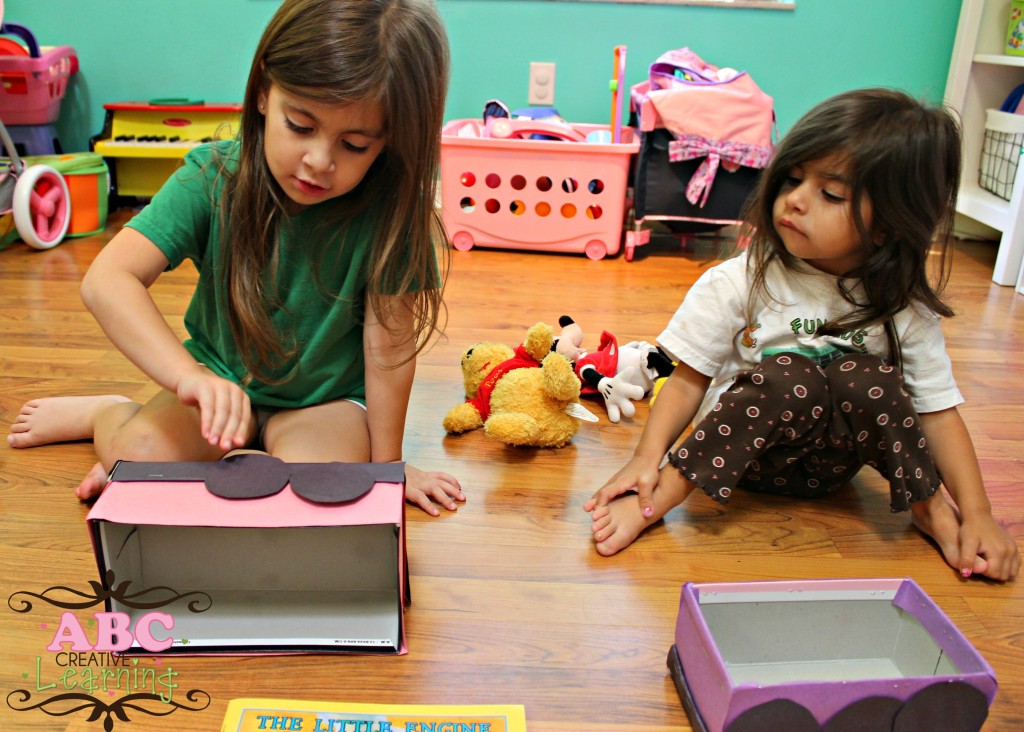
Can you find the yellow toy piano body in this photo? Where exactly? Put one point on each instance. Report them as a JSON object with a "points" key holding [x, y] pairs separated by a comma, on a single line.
{"points": [[145, 142]]}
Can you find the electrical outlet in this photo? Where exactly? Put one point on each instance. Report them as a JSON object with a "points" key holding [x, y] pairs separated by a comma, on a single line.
{"points": [[542, 83]]}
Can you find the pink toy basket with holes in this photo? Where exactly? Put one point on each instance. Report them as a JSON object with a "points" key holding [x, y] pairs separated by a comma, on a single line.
{"points": [[32, 88], [535, 195]]}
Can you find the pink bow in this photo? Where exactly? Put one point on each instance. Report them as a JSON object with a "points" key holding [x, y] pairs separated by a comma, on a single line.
{"points": [[690, 147]]}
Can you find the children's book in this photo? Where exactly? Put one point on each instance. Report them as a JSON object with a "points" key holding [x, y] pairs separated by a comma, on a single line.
{"points": [[250, 715]]}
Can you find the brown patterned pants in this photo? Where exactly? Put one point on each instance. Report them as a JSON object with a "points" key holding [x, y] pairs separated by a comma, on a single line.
{"points": [[790, 427]]}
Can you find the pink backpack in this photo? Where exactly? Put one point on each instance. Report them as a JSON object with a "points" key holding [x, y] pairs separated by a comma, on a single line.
{"points": [[717, 114]]}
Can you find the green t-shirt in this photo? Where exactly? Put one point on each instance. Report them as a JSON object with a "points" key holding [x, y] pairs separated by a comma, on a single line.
{"points": [[324, 320]]}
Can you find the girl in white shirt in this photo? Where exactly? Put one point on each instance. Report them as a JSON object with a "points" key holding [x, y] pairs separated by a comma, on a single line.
{"points": [[819, 350]]}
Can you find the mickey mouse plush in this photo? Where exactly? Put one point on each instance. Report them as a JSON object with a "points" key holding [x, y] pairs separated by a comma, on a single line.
{"points": [[620, 374]]}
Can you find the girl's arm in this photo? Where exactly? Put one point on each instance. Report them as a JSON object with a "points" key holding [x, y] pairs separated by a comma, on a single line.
{"points": [[980, 535], [115, 290], [677, 404], [388, 386]]}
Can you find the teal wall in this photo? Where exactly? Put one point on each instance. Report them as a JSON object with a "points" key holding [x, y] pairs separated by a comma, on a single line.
{"points": [[141, 49]]}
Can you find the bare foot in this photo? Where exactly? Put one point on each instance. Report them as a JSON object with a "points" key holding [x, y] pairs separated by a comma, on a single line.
{"points": [[57, 419], [618, 524], [93, 483], [939, 520]]}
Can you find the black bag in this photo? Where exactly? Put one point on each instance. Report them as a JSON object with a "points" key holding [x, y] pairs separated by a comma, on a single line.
{"points": [[659, 189]]}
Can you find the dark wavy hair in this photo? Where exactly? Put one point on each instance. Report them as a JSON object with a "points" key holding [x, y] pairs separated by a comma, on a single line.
{"points": [[391, 53], [903, 156]]}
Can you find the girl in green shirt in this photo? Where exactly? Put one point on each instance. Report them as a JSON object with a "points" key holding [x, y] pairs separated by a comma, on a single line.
{"points": [[313, 234]]}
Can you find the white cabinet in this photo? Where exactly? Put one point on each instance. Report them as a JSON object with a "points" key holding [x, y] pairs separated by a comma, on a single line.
{"points": [[980, 78]]}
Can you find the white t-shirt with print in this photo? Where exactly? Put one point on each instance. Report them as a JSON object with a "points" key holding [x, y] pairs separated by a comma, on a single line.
{"points": [[709, 332]]}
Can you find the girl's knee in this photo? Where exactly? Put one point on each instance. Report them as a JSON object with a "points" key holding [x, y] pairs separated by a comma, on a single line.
{"points": [[790, 374], [140, 444], [856, 377], [786, 391], [143, 440]]}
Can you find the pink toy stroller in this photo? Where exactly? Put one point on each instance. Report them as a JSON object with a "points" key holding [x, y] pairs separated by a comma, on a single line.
{"points": [[706, 133], [36, 197]]}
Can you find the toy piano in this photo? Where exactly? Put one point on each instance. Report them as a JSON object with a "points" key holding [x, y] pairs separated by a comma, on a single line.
{"points": [[145, 142], [864, 654]]}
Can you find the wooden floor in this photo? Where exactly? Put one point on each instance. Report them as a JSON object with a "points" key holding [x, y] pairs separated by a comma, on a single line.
{"points": [[510, 602]]}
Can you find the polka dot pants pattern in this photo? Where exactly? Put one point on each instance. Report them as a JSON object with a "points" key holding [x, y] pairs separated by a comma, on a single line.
{"points": [[790, 427]]}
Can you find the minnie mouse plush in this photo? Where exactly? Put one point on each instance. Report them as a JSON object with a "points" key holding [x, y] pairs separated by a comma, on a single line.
{"points": [[620, 374]]}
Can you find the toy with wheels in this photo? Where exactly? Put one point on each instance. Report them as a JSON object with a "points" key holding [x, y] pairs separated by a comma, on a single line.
{"points": [[538, 184], [502, 187], [37, 199]]}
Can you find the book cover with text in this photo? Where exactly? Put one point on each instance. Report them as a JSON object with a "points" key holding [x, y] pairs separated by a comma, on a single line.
{"points": [[252, 715]]}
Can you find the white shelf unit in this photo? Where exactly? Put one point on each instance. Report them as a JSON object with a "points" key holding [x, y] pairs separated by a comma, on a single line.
{"points": [[980, 78]]}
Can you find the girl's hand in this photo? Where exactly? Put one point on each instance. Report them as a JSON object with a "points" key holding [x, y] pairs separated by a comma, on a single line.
{"points": [[421, 487], [984, 537], [640, 474], [224, 410], [678, 401]]}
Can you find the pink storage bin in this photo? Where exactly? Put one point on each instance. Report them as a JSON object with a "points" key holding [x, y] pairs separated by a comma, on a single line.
{"points": [[31, 88], [536, 195]]}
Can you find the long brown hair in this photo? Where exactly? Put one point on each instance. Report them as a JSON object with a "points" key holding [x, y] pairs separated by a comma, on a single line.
{"points": [[391, 53], [904, 156]]}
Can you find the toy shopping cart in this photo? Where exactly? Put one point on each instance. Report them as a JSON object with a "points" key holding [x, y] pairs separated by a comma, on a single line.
{"points": [[34, 199], [706, 133], [33, 81], [529, 185]]}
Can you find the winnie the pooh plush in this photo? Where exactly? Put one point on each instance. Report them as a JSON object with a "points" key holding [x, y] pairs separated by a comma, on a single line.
{"points": [[519, 397]]}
